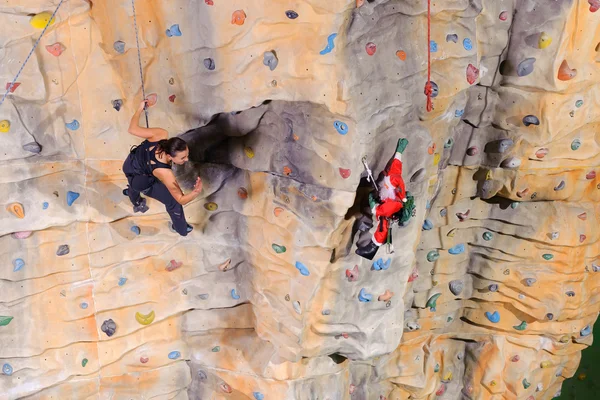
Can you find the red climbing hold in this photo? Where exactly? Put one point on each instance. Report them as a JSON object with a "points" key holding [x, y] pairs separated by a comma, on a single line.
{"points": [[371, 48], [472, 74], [173, 265], [503, 16], [345, 335], [414, 274], [594, 5], [172, 98], [242, 193], [345, 173], [209, 2], [515, 358], [352, 274], [590, 175], [55, 49], [582, 238], [441, 390], [13, 87], [144, 360]]}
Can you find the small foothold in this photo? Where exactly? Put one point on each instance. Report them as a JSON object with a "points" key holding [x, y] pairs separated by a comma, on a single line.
{"points": [[456, 287], [258, 395], [570, 293], [582, 238], [249, 152], [582, 216], [590, 175], [472, 74], [297, 308], [560, 186], [521, 326], [302, 268], [432, 302], [385, 296], [452, 37], [73, 125], [287, 171], [578, 103], [84, 362], [211, 206], [136, 229], [441, 390], [448, 143], [291, 14], [503, 16], [530, 281], [493, 287], [173, 31], [16, 209], [109, 327], [487, 236], [216, 349], [62, 250], [352, 274], [471, 151], [413, 275], [401, 54], [270, 59], [525, 67], [585, 331], [364, 297], [463, 216], [544, 41], [174, 355], [18, 264], [203, 296], [119, 46], [209, 64], [277, 211], [515, 358], [493, 317], [575, 144], [71, 197], [344, 173], [238, 17], [145, 319], [565, 73], [526, 384], [340, 127], [172, 98], [514, 205], [511, 162], [242, 193], [326, 312], [547, 256], [144, 360], [506, 272], [436, 368], [541, 153], [56, 49], [459, 113], [83, 305], [433, 255], [278, 248], [224, 266], [443, 212], [11, 87], [564, 339], [202, 375], [7, 369], [33, 147], [458, 249], [467, 44], [545, 364], [427, 225], [117, 104], [531, 120], [370, 48], [379, 264], [173, 265], [433, 47], [435, 90], [122, 281], [225, 388], [330, 44], [234, 295]]}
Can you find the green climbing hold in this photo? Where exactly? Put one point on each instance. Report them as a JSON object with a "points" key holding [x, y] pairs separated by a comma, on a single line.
{"points": [[278, 249], [436, 368], [526, 384], [487, 236], [433, 255], [5, 320], [216, 349], [521, 326], [84, 362], [514, 205], [578, 103], [575, 144], [548, 257], [431, 303]]}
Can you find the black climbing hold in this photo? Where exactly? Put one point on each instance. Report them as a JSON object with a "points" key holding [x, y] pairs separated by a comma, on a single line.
{"points": [[109, 327], [531, 120], [291, 14], [270, 59], [63, 249], [435, 90], [117, 104], [209, 63], [550, 316], [453, 37]]}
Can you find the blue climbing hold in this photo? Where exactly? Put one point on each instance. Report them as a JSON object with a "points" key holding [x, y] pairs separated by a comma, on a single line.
{"points": [[71, 197], [493, 317], [427, 225], [174, 31], [433, 46], [18, 264], [459, 113], [122, 281], [341, 127], [586, 331], [330, 45], [234, 295], [73, 126], [458, 249], [379, 264], [364, 297], [428, 205], [7, 369], [83, 305], [136, 229], [45, 205], [302, 268], [174, 355], [258, 396], [467, 44]]}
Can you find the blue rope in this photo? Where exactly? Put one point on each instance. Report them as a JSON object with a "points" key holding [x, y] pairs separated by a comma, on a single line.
{"points": [[30, 53], [137, 42]]}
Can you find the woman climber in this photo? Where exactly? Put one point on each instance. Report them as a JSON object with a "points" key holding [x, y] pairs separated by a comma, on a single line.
{"points": [[148, 171]]}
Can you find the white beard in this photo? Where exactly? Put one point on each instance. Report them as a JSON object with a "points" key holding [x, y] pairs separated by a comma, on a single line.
{"points": [[388, 192]]}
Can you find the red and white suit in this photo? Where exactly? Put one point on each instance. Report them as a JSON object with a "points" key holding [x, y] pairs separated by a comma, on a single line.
{"points": [[392, 194]]}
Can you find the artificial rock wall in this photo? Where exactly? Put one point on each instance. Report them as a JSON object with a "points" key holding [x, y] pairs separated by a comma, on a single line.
{"points": [[493, 280]]}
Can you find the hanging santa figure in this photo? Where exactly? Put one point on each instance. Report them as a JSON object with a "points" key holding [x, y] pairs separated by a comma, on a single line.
{"points": [[393, 198]]}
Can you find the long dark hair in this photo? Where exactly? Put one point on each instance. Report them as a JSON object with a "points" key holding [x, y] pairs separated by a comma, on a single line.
{"points": [[171, 146]]}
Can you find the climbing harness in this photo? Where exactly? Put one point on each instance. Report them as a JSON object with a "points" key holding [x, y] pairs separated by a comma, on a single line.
{"points": [[37, 42], [428, 86], [137, 42]]}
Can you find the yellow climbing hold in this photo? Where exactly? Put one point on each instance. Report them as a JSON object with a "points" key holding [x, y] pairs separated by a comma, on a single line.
{"points": [[564, 339], [488, 176], [448, 376], [211, 206], [39, 21], [544, 41], [17, 209], [436, 158], [249, 152], [4, 126], [545, 364], [145, 319]]}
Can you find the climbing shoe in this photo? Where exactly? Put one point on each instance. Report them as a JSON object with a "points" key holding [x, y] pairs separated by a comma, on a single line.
{"points": [[401, 146], [188, 229], [141, 206], [368, 251]]}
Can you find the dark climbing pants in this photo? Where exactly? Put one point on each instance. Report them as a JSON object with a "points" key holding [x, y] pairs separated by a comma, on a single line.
{"points": [[152, 187]]}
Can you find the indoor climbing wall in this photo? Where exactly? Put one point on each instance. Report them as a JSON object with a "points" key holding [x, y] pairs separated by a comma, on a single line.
{"points": [[490, 292]]}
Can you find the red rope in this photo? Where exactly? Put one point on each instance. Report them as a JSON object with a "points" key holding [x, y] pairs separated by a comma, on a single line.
{"points": [[428, 87]]}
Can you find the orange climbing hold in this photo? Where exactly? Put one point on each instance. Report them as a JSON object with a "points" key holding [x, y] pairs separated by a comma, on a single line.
{"points": [[359, 3], [431, 149], [287, 171], [238, 17], [401, 54], [386, 296], [565, 73], [16, 209], [277, 211]]}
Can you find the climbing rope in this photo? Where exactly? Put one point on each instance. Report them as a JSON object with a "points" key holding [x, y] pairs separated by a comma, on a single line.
{"points": [[428, 86], [137, 42], [37, 42]]}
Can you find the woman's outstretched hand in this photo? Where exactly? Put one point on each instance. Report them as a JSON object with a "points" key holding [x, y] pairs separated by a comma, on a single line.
{"points": [[198, 186]]}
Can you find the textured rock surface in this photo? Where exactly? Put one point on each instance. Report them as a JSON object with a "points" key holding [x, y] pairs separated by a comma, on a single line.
{"points": [[108, 304]]}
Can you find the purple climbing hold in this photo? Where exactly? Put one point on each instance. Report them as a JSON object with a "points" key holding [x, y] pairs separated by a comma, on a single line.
{"points": [[471, 151], [560, 186], [525, 67], [62, 250], [452, 37], [291, 14], [531, 120], [32, 147], [209, 63], [109, 327], [119, 46], [117, 104]]}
